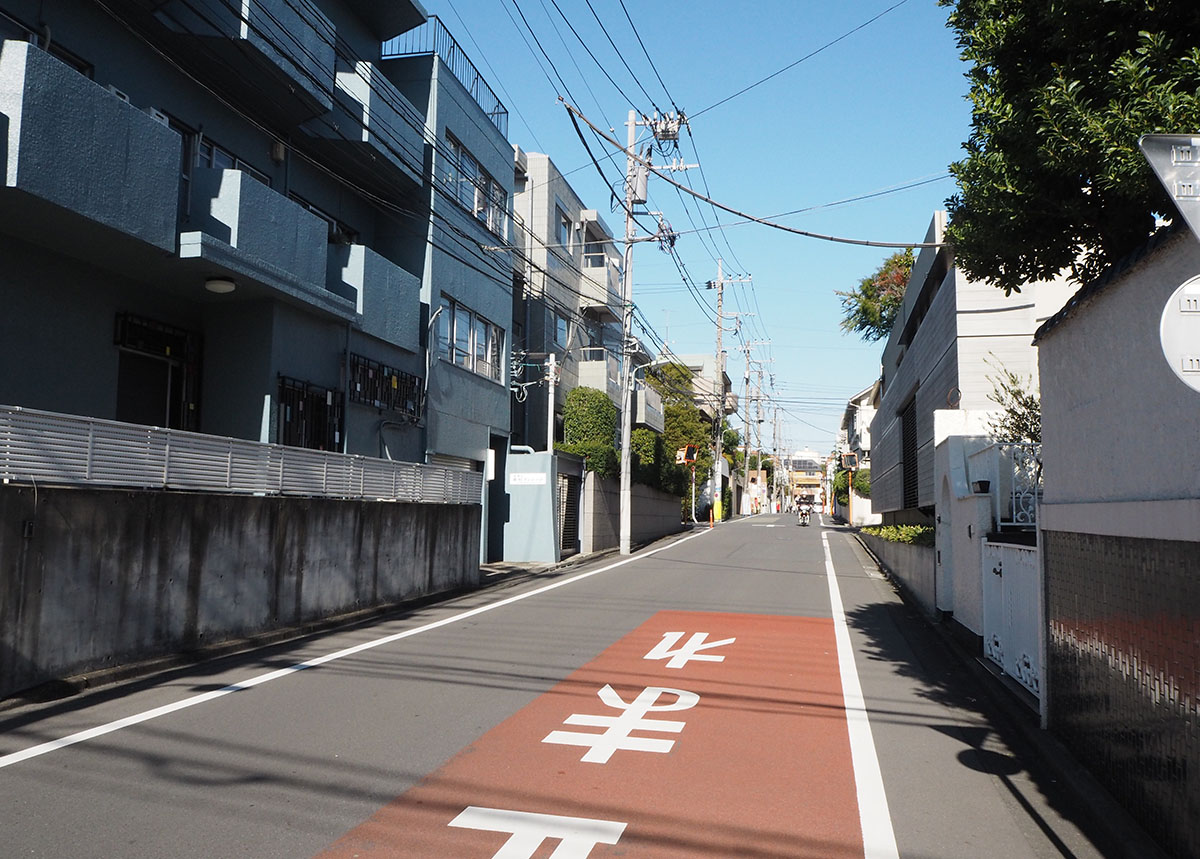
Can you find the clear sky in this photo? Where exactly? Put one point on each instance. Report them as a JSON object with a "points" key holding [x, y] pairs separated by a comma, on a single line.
{"points": [[880, 108]]}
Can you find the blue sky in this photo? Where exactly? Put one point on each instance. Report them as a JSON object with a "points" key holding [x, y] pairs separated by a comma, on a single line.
{"points": [[882, 107]]}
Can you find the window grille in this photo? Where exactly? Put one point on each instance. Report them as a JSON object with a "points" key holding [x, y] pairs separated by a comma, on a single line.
{"points": [[383, 387]]}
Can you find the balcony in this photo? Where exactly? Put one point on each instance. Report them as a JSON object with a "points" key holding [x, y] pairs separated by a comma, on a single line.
{"points": [[385, 296], [373, 130], [432, 37], [262, 240], [277, 55], [83, 155], [600, 369]]}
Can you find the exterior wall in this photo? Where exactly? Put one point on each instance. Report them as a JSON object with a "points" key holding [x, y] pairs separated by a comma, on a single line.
{"points": [[912, 566], [558, 283], [655, 514], [1120, 530], [1123, 673], [927, 371], [465, 408], [100, 577]]}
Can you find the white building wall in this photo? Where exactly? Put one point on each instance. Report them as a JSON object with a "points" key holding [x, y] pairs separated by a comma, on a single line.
{"points": [[1127, 431]]}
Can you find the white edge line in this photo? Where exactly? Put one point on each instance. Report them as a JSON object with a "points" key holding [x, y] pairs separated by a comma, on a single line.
{"points": [[879, 840], [145, 716]]}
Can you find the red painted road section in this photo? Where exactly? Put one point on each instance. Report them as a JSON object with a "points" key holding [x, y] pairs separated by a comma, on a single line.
{"points": [[759, 767]]}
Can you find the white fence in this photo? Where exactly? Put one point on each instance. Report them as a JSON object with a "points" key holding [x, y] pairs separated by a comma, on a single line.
{"points": [[51, 448]]}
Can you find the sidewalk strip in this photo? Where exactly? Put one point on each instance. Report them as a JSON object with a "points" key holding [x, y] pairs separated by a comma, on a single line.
{"points": [[138, 718], [879, 841]]}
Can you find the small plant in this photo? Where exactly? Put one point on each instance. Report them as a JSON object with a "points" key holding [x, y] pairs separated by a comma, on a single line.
{"points": [[916, 535]]}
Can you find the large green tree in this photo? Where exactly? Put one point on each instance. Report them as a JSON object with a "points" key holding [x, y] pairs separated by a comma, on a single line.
{"points": [[1061, 91], [871, 309]]}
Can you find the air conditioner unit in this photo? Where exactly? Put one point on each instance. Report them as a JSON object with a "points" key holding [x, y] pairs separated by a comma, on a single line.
{"points": [[118, 93], [159, 115]]}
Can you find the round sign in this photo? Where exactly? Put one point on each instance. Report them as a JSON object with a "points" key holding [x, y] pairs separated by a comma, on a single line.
{"points": [[1179, 332]]}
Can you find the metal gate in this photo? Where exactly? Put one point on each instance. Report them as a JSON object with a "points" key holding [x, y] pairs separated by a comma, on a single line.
{"points": [[1012, 611], [569, 489]]}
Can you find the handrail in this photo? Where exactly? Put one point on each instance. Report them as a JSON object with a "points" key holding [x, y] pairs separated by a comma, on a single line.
{"points": [[432, 37], [41, 447]]}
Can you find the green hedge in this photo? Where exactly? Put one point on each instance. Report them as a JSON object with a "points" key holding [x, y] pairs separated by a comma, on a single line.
{"points": [[917, 535]]}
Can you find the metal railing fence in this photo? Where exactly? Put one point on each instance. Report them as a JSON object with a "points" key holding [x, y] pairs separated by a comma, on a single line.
{"points": [[432, 37], [57, 449]]}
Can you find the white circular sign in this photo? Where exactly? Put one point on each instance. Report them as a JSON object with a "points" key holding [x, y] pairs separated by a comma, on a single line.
{"points": [[1179, 332]]}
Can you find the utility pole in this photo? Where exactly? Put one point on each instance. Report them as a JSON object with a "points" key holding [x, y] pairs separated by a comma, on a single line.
{"points": [[719, 285], [636, 178], [632, 175], [551, 379]]}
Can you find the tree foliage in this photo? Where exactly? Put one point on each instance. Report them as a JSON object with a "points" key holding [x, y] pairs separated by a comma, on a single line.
{"points": [[1061, 91], [871, 309], [1020, 417], [589, 427]]}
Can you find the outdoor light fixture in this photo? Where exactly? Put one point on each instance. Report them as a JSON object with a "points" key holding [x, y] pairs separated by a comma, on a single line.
{"points": [[981, 487], [220, 285]]}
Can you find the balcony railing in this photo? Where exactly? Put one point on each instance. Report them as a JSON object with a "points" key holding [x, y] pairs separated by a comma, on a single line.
{"points": [[432, 37], [47, 448]]}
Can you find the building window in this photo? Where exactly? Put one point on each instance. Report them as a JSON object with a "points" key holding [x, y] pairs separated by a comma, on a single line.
{"points": [[474, 189], [384, 387], [209, 154], [339, 233], [562, 230], [158, 373], [309, 416], [469, 340], [562, 330], [593, 254]]}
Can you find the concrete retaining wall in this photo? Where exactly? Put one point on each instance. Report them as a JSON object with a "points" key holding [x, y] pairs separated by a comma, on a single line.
{"points": [[94, 578], [913, 566], [654, 514]]}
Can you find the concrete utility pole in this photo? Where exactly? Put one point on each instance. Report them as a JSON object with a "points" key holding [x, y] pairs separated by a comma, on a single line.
{"points": [[719, 285], [551, 379], [625, 500], [636, 178]]}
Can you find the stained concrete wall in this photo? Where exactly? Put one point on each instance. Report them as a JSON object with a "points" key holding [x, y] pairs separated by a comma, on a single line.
{"points": [[912, 565], [94, 578], [654, 514]]}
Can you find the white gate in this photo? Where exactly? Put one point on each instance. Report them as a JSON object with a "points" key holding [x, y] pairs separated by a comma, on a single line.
{"points": [[1012, 611]]}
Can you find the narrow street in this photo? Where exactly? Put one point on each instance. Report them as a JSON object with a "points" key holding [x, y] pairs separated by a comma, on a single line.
{"points": [[752, 690]]}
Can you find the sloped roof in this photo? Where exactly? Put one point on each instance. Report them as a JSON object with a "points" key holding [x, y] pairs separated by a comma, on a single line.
{"points": [[1109, 276]]}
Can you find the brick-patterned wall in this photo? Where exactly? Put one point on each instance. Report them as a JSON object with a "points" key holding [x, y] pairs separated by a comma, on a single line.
{"points": [[1124, 672]]}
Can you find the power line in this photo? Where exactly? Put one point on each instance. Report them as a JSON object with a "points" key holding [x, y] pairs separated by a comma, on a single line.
{"points": [[799, 61], [765, 222]]}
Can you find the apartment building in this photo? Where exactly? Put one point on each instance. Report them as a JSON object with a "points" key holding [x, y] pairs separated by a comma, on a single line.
{"points": [[255, 220]]}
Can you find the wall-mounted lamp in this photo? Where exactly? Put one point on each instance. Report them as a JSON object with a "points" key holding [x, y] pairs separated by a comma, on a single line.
{"points": [[220, 285], [981, 487]]}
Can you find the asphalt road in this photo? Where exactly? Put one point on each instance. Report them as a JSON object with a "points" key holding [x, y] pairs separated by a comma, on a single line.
{"points": [[751, 690]]}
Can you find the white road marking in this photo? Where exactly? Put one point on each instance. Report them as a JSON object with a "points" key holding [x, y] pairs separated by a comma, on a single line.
{"points": [[879, 840], [145, 716], [578, 835]]}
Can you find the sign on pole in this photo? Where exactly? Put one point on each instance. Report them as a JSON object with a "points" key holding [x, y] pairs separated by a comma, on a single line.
{"points": [[1175, 160]]}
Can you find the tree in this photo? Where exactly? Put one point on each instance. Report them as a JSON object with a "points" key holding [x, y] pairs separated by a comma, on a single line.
{"points": [[1061, 91], [1020, 418], [871, 309]]}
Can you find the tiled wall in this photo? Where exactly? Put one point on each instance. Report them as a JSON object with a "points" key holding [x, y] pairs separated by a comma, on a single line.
{"points": [[1124, 672]]}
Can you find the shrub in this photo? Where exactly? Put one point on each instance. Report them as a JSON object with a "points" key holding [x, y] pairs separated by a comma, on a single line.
{"points": [[916, 535]]}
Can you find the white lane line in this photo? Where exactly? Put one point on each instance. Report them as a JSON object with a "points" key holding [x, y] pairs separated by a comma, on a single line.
{"points": [[145, 716], [879, 841]]}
